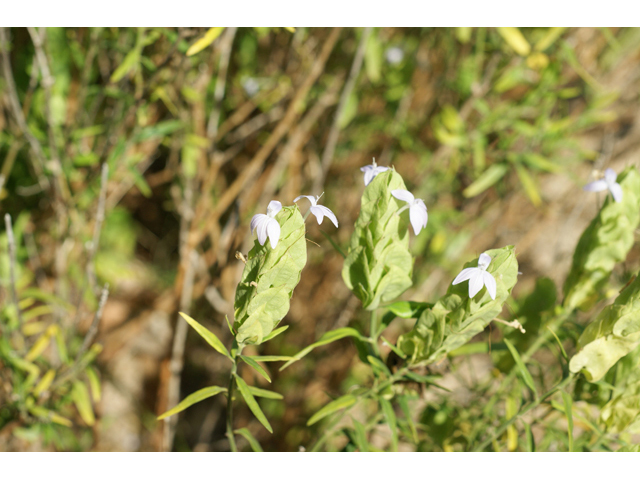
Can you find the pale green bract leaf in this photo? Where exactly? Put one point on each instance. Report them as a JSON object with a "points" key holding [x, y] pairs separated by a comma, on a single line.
{"points": [[605, 242], [268, 280], [193, 399], [614, 333], [622, 413], [379, 264], [332, 407], [455, 318]]}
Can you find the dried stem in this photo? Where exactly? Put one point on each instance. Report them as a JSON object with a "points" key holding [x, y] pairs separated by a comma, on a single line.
{"points": [[221, 82], [14, 102], [93, 329], [177, 352], [97, 227], [513, 324], [356, 66], [12, 265]]}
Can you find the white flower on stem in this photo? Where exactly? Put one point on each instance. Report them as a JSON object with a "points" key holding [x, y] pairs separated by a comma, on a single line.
{"points": [[320, 211], [267, 225], [417, 209], [609, 182], [478, 277], [370, 172]]}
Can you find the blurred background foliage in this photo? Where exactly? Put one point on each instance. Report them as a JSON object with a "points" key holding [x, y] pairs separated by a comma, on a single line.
{"points": [[133, 159]]}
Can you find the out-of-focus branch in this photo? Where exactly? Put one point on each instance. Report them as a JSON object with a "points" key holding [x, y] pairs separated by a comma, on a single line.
{"points": [[97, 227], [221, 82], [18, 114], [12, 265], [93, 329], [332, 140], [47, 82]]}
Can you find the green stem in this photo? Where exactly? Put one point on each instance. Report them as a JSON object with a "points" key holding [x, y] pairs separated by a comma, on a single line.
{"points": [[232, 381], [529, 407], [373, 333]]}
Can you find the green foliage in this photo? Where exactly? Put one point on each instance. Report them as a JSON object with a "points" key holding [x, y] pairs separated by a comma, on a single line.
{"points": [[378, 266], [613, 334], [456, 318], [192, 399], [268, 280], [605, 242], [208, 335]]}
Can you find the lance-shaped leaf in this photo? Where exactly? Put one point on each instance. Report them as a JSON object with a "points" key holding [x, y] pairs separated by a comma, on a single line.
{"points": [[193, 399], [378, 266], [268, 280], [614, 333], [456, 318], [605, 242]]}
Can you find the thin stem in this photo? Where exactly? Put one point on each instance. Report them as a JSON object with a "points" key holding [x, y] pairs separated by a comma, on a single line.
{"points": [[373, 332], [232, 382], [529, 407], [12, 265]]}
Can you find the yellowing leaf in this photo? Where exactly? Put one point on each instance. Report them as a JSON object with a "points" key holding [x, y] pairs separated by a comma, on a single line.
{"points": [[44, 383], [80, 397], [515, 39], [204, 41]]}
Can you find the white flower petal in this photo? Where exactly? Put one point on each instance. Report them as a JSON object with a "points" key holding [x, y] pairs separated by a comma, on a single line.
{"points": [[484, 261], [464, 275], [273, 208], [273, 230], [311, 198], [418, 216], [369, 175], [327, 213], [490, 283], [317, 211], [596, 186], [255, 221], [262, 229], [616, 191], [404, 195], [610, 175], [475, 283]]}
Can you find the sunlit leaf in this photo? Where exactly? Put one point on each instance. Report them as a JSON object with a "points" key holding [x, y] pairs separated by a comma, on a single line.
{"points": [[204, 41], [193, 399], [252, 404], [209, 336], [332, 407]]}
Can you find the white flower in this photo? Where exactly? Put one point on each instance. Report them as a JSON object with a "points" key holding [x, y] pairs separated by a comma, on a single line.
{"points": [[417, 209], [609, 182], [478, 276], [320, 211], [394, 55], [370, 172], [267, 225]]}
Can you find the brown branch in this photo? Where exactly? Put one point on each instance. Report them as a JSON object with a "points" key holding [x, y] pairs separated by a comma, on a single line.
{"points": [[97, 227], [332, 140], [12, 265]]}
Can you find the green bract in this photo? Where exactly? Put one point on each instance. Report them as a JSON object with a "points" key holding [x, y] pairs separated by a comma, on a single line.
{"points": [[378, 266], [605, 242], [268, 280], [622, 412], [614, 333], [456, 318]]}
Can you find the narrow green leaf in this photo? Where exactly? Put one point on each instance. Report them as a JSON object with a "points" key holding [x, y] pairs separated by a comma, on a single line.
{"points": [[361, 436], [252, 404], [203, 42], [395, 349], [390, 415], [328, 337], [564, 354], [255, 445], [271, 358], [524, 373], [408, 309], [404, 405], [192, 399], [335, 246], [490, 176], [379, 365], [429, 380], [529, 440], [275, 333], [94, 383], [80, 397], [568, 407], [529, 185], [332, 407], [210, 338], [253, 364], [259, 392]]}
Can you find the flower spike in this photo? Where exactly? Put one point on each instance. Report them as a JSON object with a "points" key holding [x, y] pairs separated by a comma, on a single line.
{"points": [[320, 211], [370, 171], [609, 182], [478, 277], [267, 225], [418, 215]]}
